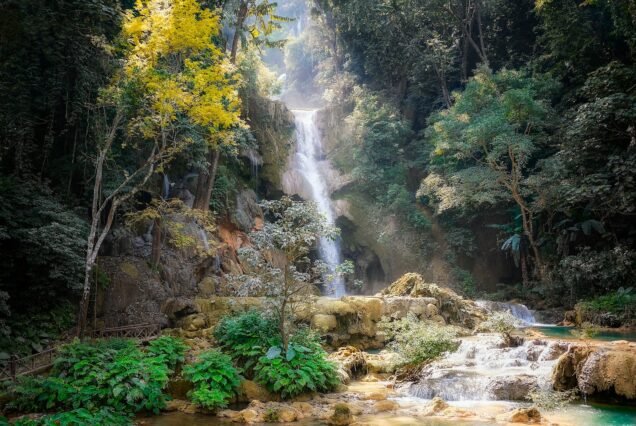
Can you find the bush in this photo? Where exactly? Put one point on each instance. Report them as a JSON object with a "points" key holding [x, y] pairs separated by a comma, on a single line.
{"points": [[80, 416], [170, 349], [503, 323], [114, 374], [303, 368], [246, 337], [417, 342], [215, 380], [620, 303]]}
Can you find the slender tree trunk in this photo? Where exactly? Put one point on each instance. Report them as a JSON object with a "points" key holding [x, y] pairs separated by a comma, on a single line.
{"points": [[524, 268], [482, 45], [205, 182], [240, 20]]}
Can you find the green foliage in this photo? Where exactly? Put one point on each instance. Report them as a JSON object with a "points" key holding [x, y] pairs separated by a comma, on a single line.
{"points": [[43, 244], [503, 323], [34, 329], [246, 337], [621, 303], [167, 349], [301, 369], [79, 417], [590, 272], [215, 379], [111, 373], [418, 342]]}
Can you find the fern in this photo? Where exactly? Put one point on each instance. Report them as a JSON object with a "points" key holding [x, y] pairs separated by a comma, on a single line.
{"points": [[214, 378]]}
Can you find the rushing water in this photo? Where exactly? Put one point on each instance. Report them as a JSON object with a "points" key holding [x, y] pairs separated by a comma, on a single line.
{"points": [[481, 370], [312, 185], [518, 310]]}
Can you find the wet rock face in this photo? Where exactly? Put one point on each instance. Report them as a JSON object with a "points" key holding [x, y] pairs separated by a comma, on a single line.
{"points": [[608, 370], [512, 388]]}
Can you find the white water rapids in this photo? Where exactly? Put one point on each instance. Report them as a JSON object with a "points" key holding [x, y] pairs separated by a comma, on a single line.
{"points": [[305, 179]]}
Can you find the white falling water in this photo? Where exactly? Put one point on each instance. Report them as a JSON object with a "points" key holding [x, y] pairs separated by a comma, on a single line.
{"points": [[306, 167], [518, 310]]}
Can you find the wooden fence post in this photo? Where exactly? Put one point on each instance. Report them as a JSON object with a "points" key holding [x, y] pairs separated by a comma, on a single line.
{"points": [[13, 361]]}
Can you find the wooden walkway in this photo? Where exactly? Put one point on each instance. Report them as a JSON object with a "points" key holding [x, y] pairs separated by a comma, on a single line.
{"points": [[42, 361]]}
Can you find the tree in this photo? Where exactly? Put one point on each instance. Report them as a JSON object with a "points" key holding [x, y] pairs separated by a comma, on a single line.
{"points": [[494, 131], [174, 83], [278, 263]]}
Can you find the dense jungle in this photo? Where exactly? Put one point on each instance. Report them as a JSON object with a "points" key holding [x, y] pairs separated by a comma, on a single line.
{"points": [[317, 212]]}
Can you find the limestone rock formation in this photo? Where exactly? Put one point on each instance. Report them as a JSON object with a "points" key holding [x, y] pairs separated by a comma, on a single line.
{"points": [[608, 370]]}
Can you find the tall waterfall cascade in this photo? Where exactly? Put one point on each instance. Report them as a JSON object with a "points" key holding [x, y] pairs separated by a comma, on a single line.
{"points": [[305, 178]]}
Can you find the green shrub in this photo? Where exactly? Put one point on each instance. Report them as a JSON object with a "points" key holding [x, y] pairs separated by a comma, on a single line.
{"points": [[417, 342], [503, 323], [621, 303], [303, 368], [171, 349], [246, 337], [115, 374], [79, 417], [33, 330], [215, 380]]}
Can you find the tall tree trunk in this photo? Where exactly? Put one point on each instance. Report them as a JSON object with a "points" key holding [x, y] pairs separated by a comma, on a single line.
{"points": [[524, 268], [205, 182], [482, 45], [240, 20], [157, 243]]}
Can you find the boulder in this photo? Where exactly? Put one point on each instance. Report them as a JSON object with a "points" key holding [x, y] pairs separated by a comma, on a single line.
{"points": [[341, 415], [524, 415], [324, 323], [436, 406], [512, 388], [249, 390]]}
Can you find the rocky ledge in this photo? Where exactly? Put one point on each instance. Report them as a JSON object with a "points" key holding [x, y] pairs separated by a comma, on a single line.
{"points": [[598, 370]]}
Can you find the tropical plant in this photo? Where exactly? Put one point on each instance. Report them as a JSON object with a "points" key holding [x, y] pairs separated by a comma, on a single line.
{"points": [[214, 378], [246, 337], [114, 374], [302, 368], [170, 350]]}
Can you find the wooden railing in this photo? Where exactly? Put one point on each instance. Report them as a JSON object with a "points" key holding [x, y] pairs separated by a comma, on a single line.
{"points": [[137, 331], [41, 361]]}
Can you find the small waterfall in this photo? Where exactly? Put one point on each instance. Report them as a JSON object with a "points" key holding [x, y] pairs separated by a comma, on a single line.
{"points": [[204, 239], [255, 161], [314, 187], [481, 370], [518, 310], [165, 190]]}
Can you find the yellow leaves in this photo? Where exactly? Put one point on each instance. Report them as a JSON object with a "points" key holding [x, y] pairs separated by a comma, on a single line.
{"points": [[182, 73]]}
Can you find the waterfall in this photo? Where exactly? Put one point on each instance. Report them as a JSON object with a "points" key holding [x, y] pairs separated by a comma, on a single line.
{"points": [[204, 239], [165, 190], [314, 187], [518, 310], [481, 370]]}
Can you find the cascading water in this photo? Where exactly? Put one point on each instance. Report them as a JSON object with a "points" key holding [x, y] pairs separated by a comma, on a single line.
{"points": [[305, 167], [518, 310]]}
